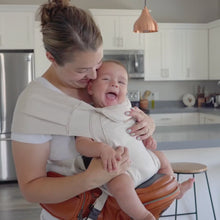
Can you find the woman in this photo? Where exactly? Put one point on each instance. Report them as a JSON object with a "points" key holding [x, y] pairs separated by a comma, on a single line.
{"points": [[73, 44]]}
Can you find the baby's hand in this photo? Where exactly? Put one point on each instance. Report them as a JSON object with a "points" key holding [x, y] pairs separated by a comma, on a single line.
{"points": [[109, 158]]}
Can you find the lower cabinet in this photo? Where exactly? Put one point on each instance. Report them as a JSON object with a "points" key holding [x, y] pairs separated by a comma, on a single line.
{"points": [[178, 119], [209, 119]]}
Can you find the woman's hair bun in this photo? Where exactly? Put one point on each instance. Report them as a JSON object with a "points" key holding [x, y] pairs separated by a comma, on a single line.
{"points": [[62, 3], [49, 9]]}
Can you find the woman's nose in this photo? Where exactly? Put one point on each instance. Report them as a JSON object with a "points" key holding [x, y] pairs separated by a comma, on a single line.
{"points": [[93, 74]]}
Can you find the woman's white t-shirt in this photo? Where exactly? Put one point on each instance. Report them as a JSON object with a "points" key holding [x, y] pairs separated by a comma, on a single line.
{"points": [[61, 147]]}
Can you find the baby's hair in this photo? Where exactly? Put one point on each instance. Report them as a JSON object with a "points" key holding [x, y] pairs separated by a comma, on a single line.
{"points": [[116, 62], [67, 30]]}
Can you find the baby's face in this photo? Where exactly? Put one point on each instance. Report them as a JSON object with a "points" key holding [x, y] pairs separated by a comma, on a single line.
{"points": [[110, 86]]}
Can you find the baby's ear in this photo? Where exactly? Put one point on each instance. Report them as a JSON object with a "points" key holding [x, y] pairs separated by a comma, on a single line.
{"points": [[89, 88]]}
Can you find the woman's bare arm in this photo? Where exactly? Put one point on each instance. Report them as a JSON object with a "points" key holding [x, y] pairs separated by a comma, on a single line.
{"points": [[30, 162]]}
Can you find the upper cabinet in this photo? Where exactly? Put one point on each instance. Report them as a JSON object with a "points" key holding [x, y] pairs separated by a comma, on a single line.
{"points": [[117, 29], [177, 52], [214, 50], [17, 27], [164, 55]]}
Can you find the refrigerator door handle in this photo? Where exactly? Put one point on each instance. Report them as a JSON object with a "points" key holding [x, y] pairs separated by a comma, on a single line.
{"points": [[30, 61], [3, 93], [5, 139]]}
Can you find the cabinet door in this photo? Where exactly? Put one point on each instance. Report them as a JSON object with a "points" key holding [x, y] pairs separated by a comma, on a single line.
{"points": [[169, 119], [41, 61], [164, 55], [130, 40], [109, 27], [210, 119], [153, 57], [191, 118], [214, 53], [172, 54], [117, 32], [17, 30], [196, 54]]}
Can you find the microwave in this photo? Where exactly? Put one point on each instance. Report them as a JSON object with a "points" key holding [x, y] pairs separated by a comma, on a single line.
{"points": [[133, 60]]}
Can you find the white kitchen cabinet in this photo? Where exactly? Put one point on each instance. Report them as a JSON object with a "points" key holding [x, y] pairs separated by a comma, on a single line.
{"points": [[117, 29], [164, 55], [170, 119], [190, 118], [214, 50], [176, 119], [196, 55], [209, 119], [17, 27], [177, 52], [41, 61]]}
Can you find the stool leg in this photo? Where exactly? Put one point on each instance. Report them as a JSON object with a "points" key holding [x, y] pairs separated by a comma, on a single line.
{"points": [[213, 210], [194, 189], [176, 199]]}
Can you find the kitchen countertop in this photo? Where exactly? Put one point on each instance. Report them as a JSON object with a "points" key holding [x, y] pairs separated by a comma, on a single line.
{"points": [[187, 136]]}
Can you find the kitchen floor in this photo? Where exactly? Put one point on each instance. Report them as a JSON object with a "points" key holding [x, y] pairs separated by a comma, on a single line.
{"points": [[13, 206]]}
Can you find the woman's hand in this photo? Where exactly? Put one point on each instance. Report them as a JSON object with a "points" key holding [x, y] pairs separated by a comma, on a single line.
{"points": [[150, 143], [98, 176], [144, 126]]}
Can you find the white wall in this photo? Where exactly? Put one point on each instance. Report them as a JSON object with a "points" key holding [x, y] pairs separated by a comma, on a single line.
{"points": [[210, 157]]}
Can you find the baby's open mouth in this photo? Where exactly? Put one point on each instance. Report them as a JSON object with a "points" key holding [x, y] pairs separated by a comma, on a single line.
{"points": [[111, 95]]}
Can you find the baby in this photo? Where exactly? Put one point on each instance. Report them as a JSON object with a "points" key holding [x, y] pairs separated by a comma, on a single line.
{"points": [[108, 93]]}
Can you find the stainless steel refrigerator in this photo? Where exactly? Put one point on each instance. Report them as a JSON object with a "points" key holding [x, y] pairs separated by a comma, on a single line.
{"points": [[16, 71]]}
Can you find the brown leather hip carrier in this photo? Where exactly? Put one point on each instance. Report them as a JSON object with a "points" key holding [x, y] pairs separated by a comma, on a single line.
{"points": [[156, 194]]}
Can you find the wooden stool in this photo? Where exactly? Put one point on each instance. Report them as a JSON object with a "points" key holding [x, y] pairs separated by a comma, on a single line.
{"points": [[192, 168]]}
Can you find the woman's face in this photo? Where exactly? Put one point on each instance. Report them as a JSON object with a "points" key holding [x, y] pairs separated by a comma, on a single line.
{"points": [[78, 73]]}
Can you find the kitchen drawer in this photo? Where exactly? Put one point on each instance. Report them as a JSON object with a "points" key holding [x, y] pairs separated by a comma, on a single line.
{"points": [[167, 119], [209, 119], [176, 119]]}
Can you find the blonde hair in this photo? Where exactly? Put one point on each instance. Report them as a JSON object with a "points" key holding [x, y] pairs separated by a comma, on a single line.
{"points": [[67, 30]]}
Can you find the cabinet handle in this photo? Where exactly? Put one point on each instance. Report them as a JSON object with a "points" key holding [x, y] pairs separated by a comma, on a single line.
{"points": [[165, 73], [165, 119], [114, 39], [121, 42], [188, 72]]}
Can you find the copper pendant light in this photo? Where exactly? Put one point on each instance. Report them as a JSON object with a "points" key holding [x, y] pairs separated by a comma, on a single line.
{"points": [[145, 23]]}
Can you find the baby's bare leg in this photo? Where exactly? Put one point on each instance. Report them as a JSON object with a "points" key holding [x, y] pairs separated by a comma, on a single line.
{"points": [[167, 169], [122, 189], [165, 166]]}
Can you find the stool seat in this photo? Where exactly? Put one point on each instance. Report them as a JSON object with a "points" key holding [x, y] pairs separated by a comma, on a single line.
{"points": [[188, 167]]}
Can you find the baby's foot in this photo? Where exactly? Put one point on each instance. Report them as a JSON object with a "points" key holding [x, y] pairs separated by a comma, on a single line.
{"points": [[185, 186]]}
